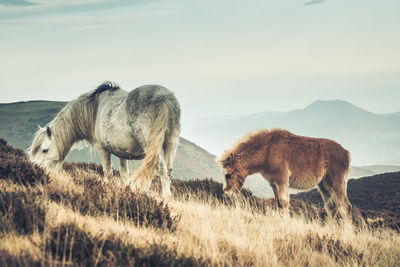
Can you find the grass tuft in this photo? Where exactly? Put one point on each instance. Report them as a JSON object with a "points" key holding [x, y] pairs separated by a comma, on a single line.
{"points": [[70, 244], [295, 247]]}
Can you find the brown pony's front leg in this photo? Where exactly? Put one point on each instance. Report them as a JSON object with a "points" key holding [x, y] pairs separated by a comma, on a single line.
{"points": [[283, 195], [280, 185], [273, 186]]}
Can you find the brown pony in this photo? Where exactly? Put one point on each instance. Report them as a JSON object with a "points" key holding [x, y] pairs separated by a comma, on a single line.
{"points": [[288, 160]]}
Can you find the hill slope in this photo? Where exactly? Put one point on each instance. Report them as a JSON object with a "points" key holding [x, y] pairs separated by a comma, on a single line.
{"points": [[74, 218], [19, 121]]}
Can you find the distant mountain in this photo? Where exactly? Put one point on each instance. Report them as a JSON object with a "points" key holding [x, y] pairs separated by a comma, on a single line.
{"points": [[371, 138], [356, 172], [19, 121], [395, 115], [335, 117]]}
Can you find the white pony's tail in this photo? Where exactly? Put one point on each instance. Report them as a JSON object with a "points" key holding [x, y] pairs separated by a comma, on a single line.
{"points": [[158, 131]]}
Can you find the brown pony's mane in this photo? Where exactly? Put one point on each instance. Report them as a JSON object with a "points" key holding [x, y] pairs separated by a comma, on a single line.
{"points": [[249, 143]]}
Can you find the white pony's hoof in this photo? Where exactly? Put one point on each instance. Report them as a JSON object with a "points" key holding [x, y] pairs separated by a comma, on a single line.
{"points": [[167, 194], [133, 186]]}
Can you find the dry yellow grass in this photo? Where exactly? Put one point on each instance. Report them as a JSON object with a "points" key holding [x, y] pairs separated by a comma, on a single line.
{"points": [[213, 234]]}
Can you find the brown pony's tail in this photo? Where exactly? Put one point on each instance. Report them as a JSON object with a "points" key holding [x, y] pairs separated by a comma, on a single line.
{"points": [[158, 131]]}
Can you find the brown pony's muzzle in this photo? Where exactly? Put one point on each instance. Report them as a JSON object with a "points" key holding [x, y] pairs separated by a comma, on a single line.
{"points": [[227, 192], [234, 183]]}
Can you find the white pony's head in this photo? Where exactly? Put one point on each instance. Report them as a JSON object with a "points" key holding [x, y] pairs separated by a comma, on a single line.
{"points": [[44, 150]]}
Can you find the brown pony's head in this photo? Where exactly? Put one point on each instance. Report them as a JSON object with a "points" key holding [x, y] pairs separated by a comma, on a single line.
{"points": [[235, 175]]}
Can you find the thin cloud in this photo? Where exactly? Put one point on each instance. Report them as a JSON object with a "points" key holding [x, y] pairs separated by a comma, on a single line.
{"points": [[61, 7], [78, 16], [17, 3], [313, 2]]}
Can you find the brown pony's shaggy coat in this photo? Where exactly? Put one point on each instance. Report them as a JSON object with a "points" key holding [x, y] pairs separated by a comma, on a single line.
{"points": [[288, 160]]}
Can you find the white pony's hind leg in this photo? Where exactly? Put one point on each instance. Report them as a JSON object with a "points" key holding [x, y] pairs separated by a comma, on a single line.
{"points": [[123, 169], [164, 177], [170, 147]]}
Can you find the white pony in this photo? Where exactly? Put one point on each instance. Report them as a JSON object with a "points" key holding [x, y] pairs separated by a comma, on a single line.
{"points": [[141, 124]]}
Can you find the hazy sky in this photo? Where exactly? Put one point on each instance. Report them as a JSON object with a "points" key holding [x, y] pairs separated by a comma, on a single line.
{"points": [[219, 56]]}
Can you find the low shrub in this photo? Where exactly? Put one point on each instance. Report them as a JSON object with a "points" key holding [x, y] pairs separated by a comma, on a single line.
{"points": [[22, 212], [377, 219], [15, 166], [7, 259], [204, 190], [79, 169]]}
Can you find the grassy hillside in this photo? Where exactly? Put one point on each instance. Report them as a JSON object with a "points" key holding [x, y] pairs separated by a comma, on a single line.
{"points": [[19, 121], [73, 218]]}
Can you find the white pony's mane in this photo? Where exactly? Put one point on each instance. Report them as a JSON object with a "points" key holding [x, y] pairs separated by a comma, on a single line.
{"points": [[75, 122]]}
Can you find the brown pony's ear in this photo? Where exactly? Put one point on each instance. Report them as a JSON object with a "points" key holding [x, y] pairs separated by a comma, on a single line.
{"points": [[48, 131]]}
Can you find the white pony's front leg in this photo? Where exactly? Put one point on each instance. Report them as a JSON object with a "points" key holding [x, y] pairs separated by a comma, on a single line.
{"points": [[106, 162]]}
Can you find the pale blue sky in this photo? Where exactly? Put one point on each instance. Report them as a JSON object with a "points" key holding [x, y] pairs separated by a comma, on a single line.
{"points": [[220, 56]]}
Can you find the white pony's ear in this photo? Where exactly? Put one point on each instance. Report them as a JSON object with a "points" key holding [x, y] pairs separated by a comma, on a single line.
{"points": [[48, 130], [38, 126]]}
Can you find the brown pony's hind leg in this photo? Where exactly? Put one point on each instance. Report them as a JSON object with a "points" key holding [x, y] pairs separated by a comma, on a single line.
{"points": [[326, 195], [335, 198]]}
